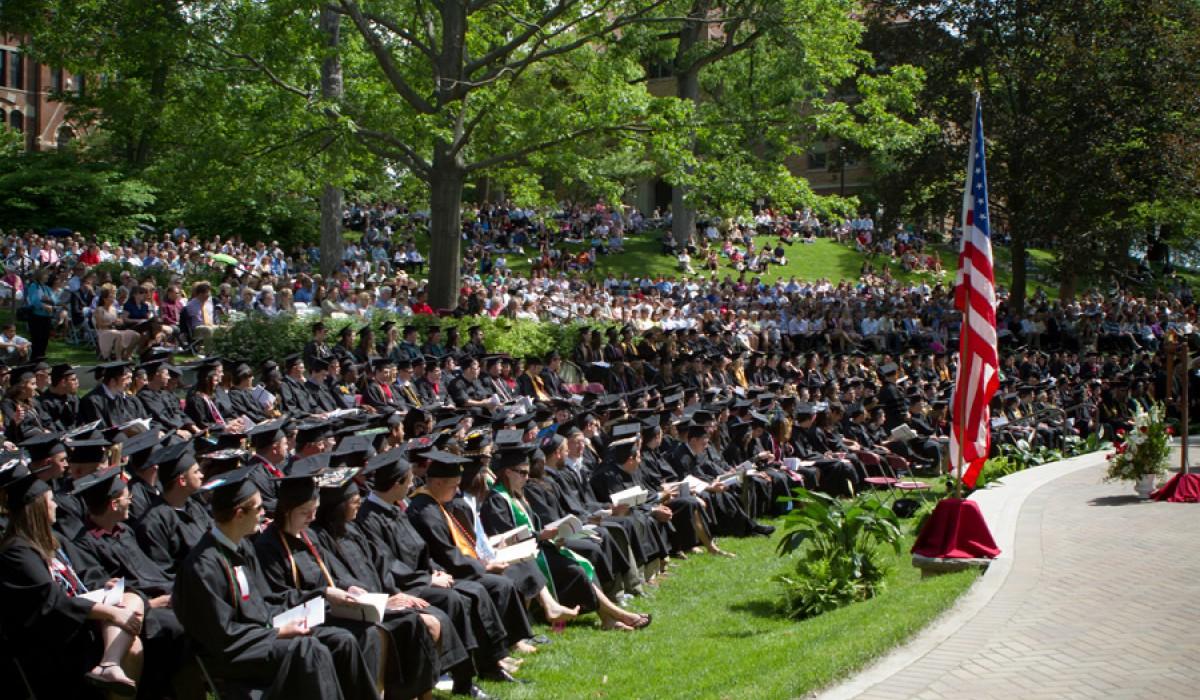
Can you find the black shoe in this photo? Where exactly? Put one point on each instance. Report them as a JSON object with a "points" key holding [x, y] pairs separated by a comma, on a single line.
{"points": [[764, 530], [473, 691], [499, 675]]}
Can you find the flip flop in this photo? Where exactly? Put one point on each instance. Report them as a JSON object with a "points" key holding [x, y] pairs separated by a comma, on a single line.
{"points": [[108, 685]]}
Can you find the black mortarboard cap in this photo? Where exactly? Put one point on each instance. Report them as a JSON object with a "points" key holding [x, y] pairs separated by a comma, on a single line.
{"points": [[101, 485], [231, 488], [625, 430], [42, 446], [222, 461], [21, 485], [620, 451], [267, 433], [444, 464], [173, 461], [110, 370], [92, 450], [337, 486], [57, 372], [388, 466], [310, 432]]}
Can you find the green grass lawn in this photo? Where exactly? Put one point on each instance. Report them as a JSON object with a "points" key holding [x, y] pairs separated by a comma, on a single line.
{"points": [[58, 351], [717, 634]]}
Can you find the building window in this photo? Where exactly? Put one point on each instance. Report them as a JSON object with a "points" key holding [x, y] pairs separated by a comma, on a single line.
{"points": [[3, 68], [16, 70], [17, 121], [56, 80], [78, 84], [818, 159], [64, 136]]}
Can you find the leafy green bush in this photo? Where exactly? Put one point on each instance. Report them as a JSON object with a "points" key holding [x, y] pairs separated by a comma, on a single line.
{"points": [[256, 338], [837, 544], [56, 189]]}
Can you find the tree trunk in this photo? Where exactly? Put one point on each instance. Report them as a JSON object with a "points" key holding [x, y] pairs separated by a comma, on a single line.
{"points": [[1016, 295], [1067, 282], [687, 87], [445, 229], [331, 229], [332, 88]]}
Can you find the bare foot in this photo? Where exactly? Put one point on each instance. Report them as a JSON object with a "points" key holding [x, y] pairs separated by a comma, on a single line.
{"points": [[716, 551], [525, 647], [561, 614]]}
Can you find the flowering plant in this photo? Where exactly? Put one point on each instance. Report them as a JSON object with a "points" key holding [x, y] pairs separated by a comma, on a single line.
{"points": [[1144, 449]]}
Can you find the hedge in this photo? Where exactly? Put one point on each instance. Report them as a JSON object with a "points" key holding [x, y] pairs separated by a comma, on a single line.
{"points": [[257, 338]]}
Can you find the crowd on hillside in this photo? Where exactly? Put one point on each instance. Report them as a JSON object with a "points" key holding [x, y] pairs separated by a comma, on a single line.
{"points": [[160, 524]]}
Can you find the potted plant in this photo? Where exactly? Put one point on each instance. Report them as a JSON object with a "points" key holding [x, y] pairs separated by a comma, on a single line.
{"points": [[1141, 454]]}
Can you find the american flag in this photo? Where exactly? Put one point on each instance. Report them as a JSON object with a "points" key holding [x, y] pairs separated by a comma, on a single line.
{"points": [[975, 296]]}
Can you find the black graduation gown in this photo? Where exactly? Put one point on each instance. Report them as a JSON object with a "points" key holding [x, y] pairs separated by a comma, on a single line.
{"points": [[294, 398], [354, 560], [47, 629], [653, 472], [69, 519], [322, 398], [385, 400], [244, 404], [298, 578], [163, 407], [109, 410], [232, 630], [33, 422], [166, 534], [578, 499], [653, 536], [462, 390], [265, 480], [571, 583], [728, 515], [542, 496], [118, 555], [411, 568], [143, 497], [200, 411], [426, 517], [63, 411]]}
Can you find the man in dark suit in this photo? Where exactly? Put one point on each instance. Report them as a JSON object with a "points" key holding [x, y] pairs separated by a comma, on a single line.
{"points": [[316, 348]]}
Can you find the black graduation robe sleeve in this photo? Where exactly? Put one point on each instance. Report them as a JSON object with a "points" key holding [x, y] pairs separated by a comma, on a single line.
{"points": [[428, 520], [33, 602]]}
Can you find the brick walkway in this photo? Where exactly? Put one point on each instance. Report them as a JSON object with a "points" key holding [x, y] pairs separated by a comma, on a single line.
{"points": [[1101, 602]]}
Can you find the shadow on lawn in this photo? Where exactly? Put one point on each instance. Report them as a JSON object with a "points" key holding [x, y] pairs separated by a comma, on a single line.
{"points": [[761, 607]]}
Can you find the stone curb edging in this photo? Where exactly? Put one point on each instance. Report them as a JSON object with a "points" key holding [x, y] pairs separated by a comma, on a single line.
{"points": [[1001, 505]]}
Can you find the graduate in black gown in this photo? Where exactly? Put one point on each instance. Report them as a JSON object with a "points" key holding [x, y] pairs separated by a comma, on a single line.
{"points": [[62, 640], [355, 561], [296, 569], [221, 599], [171, 527], [108, 402], [572, 577], [108, 541], [382, 518], [448, 527]]}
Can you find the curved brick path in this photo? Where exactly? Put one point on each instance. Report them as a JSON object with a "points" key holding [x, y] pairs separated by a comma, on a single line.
{"points": [[1101, 599]]}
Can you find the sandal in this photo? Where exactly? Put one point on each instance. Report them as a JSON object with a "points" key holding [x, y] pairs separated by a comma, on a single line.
{"points": [[124, 689], [643, 621]]}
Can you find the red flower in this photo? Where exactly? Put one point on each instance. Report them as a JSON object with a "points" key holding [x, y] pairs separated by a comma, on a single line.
{"points": [[1120, 432], [1109, 456], [1170, 430], [1144, 429]]}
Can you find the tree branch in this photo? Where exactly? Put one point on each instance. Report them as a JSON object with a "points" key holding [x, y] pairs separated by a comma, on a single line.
{"points": [[384, 58], [394, 27], [371, 139], [520, 154]]}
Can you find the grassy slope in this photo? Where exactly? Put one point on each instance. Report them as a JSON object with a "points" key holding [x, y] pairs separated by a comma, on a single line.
{"points": [[716, 634]]}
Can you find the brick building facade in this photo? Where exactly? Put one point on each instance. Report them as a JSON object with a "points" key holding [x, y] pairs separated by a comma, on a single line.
{"points": [[28, 97]]}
